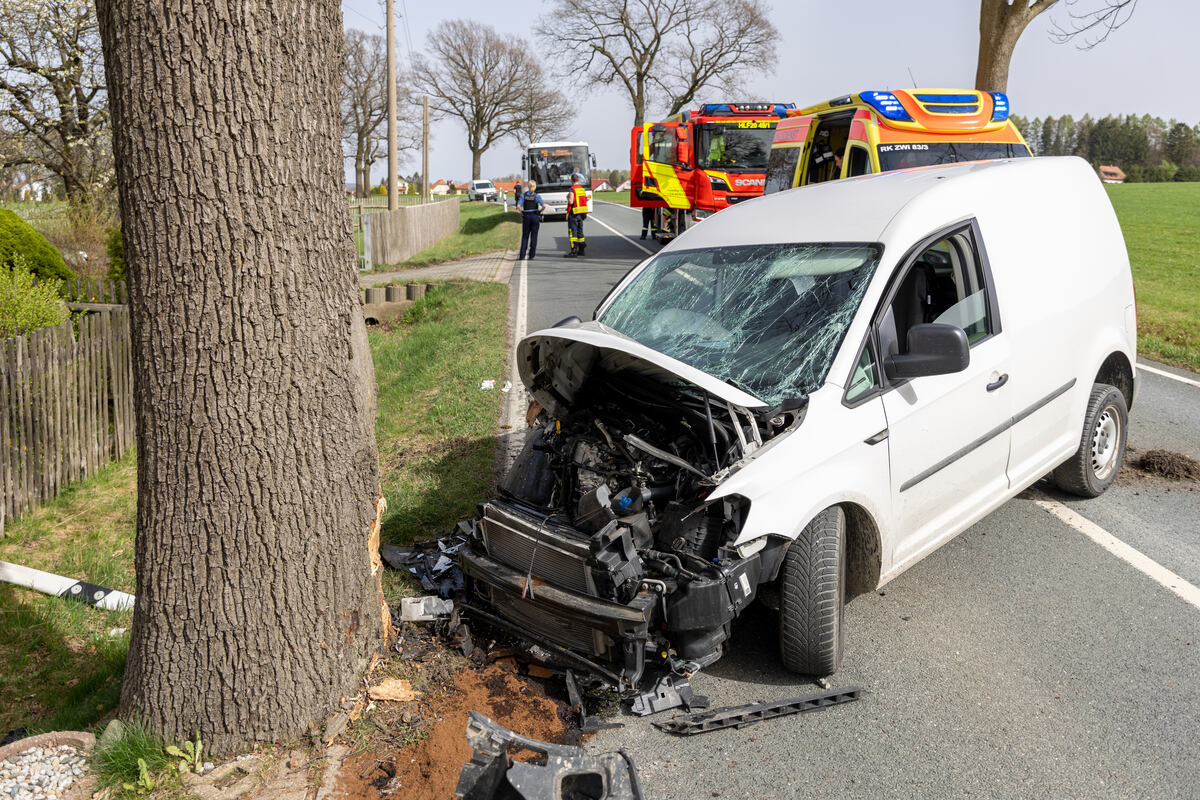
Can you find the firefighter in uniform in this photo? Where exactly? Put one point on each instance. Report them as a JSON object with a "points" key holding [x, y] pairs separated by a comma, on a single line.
{"points": [[577, 211]]}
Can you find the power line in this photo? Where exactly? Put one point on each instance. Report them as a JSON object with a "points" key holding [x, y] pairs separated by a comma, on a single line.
{"points": [[407, 30], [355, 11]]}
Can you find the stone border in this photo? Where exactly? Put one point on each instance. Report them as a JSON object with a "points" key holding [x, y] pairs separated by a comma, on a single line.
{"points": [[81, 740]]}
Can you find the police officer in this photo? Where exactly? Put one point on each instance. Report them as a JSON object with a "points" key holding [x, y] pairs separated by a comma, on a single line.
{"points": [[577, 211], [531, 207]]}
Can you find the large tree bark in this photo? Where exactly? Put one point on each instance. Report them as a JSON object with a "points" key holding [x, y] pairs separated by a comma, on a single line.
{"points": [[258, 602], [1001, 23]]}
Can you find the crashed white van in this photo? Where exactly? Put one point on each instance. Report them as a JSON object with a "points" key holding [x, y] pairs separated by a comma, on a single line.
{"points": [[803, 397]]}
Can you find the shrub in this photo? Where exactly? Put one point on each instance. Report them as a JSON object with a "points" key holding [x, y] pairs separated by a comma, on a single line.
{"points": [[115, 246], [26, 304], [19, 239]]}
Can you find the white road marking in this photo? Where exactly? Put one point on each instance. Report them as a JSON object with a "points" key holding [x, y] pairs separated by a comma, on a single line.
{"points": [[618, 205], [1170, 375], [623, 236], [1144, 564]]}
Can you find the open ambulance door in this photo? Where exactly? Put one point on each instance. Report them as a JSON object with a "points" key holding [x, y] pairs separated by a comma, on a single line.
{"points": [[666, 151]]}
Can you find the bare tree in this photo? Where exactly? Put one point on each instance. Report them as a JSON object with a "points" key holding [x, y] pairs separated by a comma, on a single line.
{"points": [[258, 595], [364, 106], [494, 86], [661, 52], [53, 104], [1001, 23], [547, 115]]}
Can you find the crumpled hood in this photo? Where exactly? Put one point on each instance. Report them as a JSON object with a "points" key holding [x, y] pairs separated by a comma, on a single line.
{"points": [[555, 362]]}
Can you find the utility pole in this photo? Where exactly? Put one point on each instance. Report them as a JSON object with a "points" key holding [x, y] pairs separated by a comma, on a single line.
{"points": [[393, 177], [425, 151]]}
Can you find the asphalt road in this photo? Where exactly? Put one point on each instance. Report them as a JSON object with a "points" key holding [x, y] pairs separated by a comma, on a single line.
{"points": [[1020, 660]]}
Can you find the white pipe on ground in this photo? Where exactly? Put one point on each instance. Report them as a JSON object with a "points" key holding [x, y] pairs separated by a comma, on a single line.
{"points": [[59, 586]]}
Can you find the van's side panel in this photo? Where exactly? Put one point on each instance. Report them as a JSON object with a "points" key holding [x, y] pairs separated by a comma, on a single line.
{"points": [[1063, 283]]}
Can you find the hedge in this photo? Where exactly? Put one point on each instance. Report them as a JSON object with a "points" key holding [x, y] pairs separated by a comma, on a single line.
{"points": [[18, 238]]}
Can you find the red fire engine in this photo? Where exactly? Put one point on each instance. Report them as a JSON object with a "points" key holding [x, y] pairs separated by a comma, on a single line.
{"points": [[699, 162]]}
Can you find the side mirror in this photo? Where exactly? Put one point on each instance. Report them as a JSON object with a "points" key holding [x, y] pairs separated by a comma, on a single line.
{"points": [[685, 154], [593, 155], [523, 163], [933, 349]]}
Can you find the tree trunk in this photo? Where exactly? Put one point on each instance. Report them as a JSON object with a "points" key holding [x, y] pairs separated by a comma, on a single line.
{"points": [[258, 596], [476, 169], [1000, 26]]}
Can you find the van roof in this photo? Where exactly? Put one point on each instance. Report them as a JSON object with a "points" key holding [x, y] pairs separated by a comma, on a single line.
{"points": [[885, 206]]}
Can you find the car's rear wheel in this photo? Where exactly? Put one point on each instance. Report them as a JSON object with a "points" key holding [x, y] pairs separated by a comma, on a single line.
{"points": [[812, 591], [1094, 466]]}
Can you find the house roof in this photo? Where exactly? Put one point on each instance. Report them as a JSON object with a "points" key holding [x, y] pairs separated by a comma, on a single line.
{"points": [[1112, 172], [598, 182]]}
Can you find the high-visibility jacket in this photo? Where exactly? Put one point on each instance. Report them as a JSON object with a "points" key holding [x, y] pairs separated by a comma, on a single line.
{"points": [[579, 201]]}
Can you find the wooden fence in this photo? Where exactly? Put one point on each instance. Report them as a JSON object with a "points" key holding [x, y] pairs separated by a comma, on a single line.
{"points": [[66, 407]]}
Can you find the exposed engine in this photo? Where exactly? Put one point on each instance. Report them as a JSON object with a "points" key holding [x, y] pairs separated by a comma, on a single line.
{"points": [[603, 541]]}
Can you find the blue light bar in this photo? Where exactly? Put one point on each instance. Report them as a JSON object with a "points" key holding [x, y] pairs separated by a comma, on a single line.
{"points": [[952, 99], [888, 105], [999, 106], [729, 109]]}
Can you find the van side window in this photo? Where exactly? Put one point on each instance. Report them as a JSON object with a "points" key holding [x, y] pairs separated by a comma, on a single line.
{"points": [[943, 284], [864, 378], [781, 169], [860, 162]]}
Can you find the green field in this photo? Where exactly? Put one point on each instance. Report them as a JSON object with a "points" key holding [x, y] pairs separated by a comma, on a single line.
{"points": [[1161, 222], [62, 662], [612, 197]]}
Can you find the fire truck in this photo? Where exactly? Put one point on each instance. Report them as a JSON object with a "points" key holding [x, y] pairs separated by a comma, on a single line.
{"points": [[699, 162]]}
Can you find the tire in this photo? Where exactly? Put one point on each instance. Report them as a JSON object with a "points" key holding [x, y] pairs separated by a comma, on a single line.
{"points": [[812, 592], [1094, 466]]}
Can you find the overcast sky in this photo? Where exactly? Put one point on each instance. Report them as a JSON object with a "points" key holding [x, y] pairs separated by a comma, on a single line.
{"points": [[1149, 66]]}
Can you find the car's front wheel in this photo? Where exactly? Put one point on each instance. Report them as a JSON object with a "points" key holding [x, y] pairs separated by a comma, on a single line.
{"points": [[812, 591], [1094, 466]]}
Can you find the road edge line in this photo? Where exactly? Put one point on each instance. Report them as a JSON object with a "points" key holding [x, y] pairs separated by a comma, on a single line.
{"points": [[1134, 558], [1170, 375]]}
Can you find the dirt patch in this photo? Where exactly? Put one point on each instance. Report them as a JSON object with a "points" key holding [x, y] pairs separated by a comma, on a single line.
{"points": [[1174, 466], [428, 769]]}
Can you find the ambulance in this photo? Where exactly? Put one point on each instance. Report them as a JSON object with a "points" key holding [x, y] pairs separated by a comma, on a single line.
{"points": [[877, 131]]}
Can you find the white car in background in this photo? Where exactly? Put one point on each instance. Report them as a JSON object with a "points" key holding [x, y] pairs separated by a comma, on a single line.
{"points": [[802, 398], [481, 190]]}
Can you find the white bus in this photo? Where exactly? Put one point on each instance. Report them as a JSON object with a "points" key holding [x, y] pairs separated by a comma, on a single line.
{"points": [[551, 164]]}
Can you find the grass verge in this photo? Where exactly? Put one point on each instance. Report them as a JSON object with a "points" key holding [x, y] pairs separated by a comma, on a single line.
{"points": [[482, 228], [1161, 222], [61, 663], [437, 429]]}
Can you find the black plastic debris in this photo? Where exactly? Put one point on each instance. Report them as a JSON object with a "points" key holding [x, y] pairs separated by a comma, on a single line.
{"points": [[741, 716], [434, 563], [669, 691], [565, 773]]}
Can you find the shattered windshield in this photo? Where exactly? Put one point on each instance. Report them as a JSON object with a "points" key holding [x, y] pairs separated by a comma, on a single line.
{"points": [[765, 318]]}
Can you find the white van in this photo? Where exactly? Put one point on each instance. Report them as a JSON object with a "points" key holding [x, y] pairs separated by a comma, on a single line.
{"points": [[481, 190], [802, 398]]}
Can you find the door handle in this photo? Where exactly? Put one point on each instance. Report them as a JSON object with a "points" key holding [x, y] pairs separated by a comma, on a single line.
{"points": [[996, 384]]}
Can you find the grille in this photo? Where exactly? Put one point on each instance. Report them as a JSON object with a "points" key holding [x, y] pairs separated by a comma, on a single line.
{"points": [[544, 549], [572, 635]]}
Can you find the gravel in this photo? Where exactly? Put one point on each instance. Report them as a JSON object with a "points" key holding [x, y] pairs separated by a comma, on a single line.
{"points": [[41, 773]]}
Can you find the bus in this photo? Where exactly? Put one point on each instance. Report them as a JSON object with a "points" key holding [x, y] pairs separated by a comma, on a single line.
{"points": [[551, 164], [877, 131]]}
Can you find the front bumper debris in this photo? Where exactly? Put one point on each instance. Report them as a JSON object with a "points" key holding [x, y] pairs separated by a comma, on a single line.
{"points": [[568, 772], [602, 628]]}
